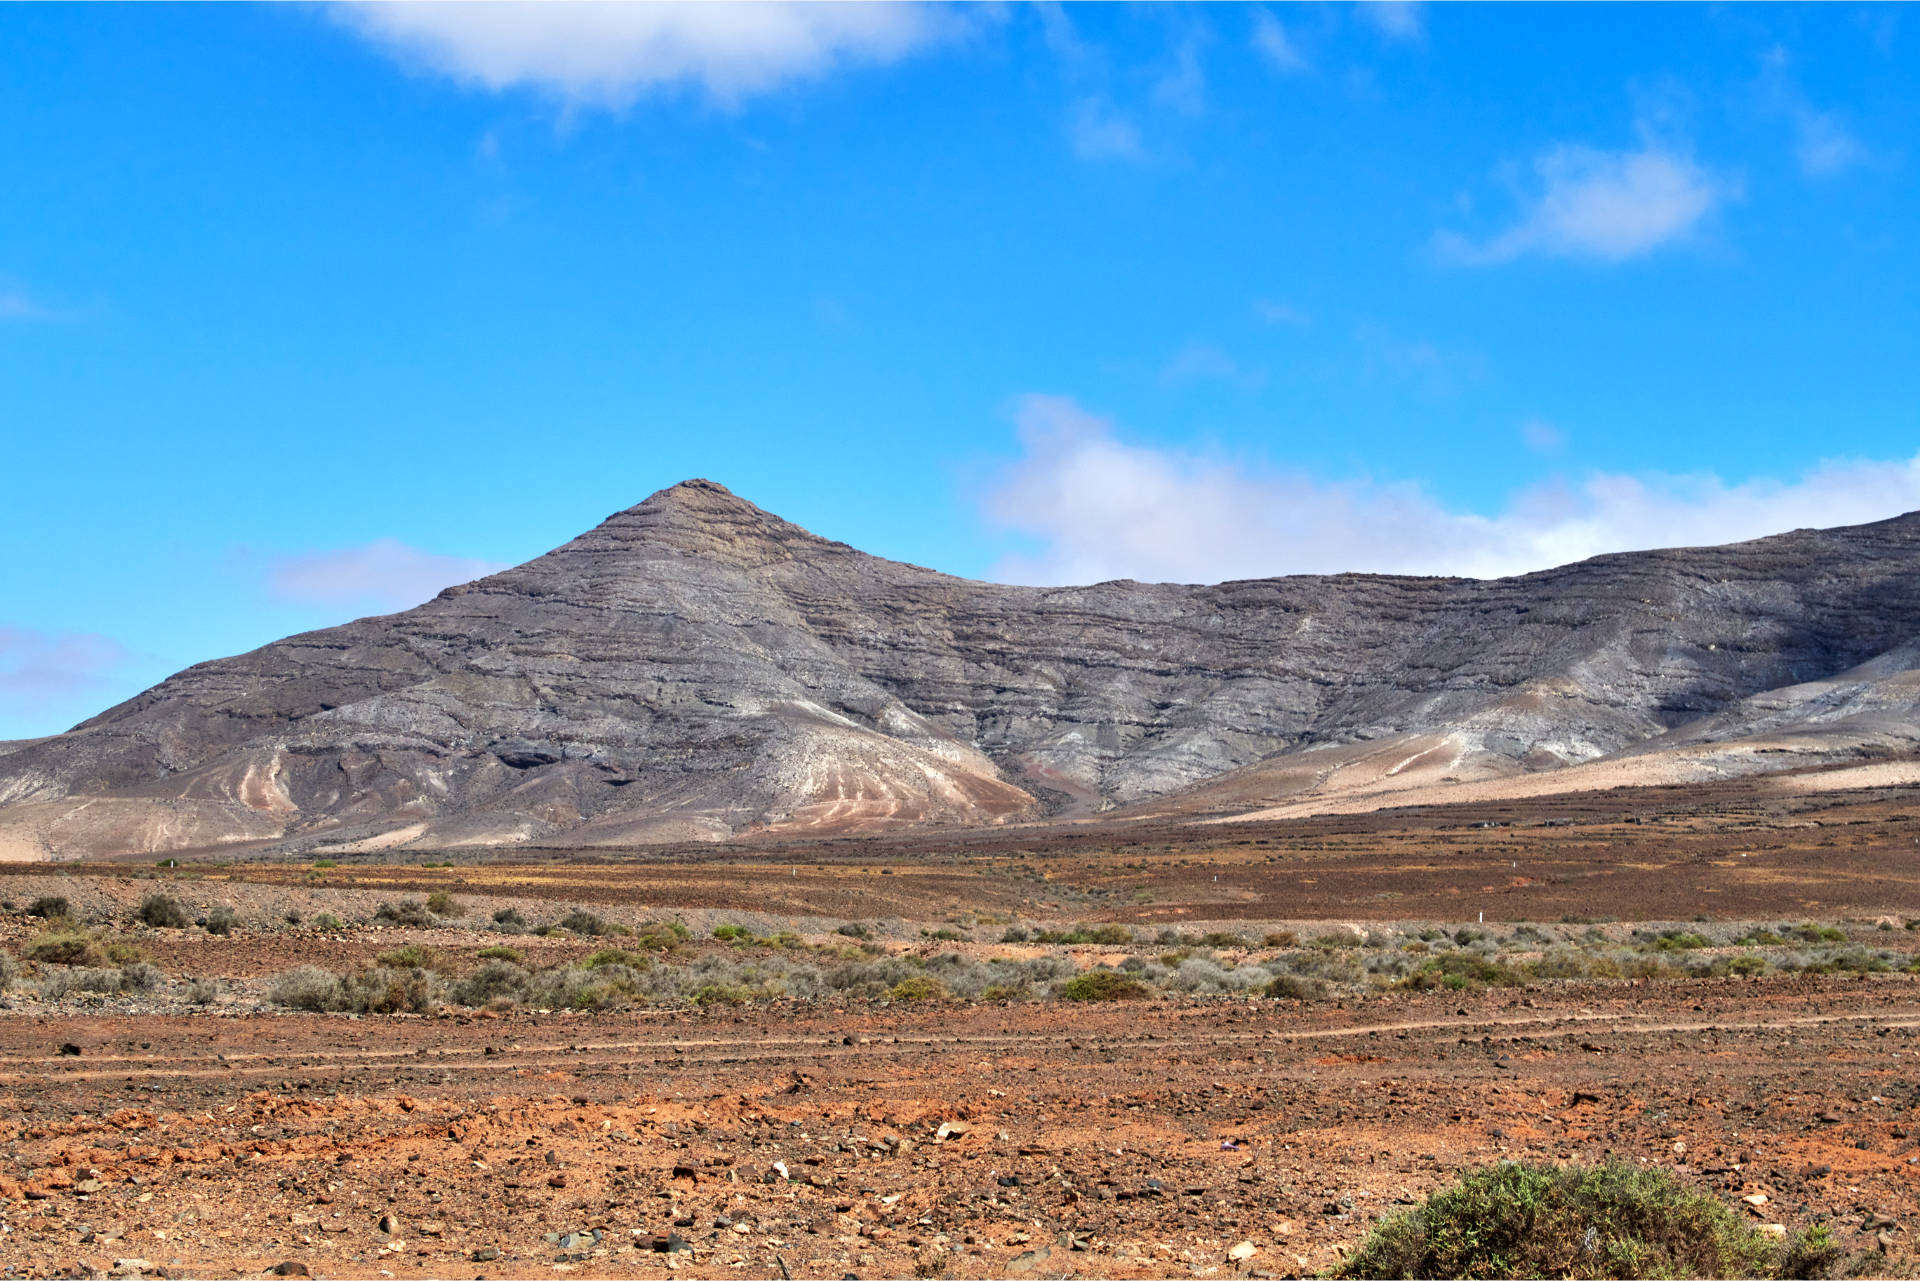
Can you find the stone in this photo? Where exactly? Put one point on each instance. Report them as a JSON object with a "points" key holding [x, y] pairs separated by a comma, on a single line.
{"points": [[1027, 1260], [483, 1254], [1243, 1251], [1118, 693]]}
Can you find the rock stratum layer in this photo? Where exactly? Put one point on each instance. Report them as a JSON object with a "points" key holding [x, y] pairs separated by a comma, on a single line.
{"points": [[697, 668]]}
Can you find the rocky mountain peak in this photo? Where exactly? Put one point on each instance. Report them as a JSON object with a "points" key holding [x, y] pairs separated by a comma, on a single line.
{"points": [[698, 520], [696, 667]]}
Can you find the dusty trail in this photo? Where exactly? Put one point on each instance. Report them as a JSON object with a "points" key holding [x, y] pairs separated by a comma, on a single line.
{"points": [[781, 1051]]}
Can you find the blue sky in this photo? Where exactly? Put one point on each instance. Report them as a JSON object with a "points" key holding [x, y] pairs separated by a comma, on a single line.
{"points": [[306, 311]]}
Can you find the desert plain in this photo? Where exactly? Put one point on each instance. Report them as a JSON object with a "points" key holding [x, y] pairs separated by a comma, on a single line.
{"points": [[859, 1056]]}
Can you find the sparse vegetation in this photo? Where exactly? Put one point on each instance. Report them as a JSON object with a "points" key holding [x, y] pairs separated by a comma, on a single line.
{"points": [[1103, 985], [50, 907], [1539, 1220], [163, 912], [220, 920], [443, 903], [407, 912]]}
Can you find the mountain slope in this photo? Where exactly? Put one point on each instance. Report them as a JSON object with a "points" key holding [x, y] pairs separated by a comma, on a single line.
{"points": [[695, 667]]}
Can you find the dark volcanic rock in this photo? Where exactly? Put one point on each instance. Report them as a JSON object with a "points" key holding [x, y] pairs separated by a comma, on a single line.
{"points": [[695, 667]]}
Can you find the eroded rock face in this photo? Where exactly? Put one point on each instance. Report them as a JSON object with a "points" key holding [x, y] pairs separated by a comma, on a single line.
{"points": [[695, 667]]}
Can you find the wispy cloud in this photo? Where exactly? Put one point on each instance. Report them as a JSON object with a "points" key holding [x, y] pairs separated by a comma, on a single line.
{"points": [[16, 305], [39, 670], [1100, 508], [1198, 362], [1274, 45], [1543, 437], [1822, 143], [1183, 87], [608, 55], [385, 574], [1602, 205], [1394, 19], [1099, 132], [1281, 313]]}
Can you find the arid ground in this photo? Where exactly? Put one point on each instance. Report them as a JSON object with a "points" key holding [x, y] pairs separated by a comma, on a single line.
{"points": [[1716, 980]]}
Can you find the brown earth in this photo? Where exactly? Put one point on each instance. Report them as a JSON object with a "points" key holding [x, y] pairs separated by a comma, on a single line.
{"points": [[1138, 1141], [1144, 1139]]}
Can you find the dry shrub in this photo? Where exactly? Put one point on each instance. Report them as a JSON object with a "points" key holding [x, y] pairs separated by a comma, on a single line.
{"points": [[163, 913]]}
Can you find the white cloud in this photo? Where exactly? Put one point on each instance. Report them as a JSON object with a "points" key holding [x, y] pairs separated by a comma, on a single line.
{"points": [[1824, 146], [16, 305], [40, 669], [607, 55], [1281, 313], [1822, 143], [1395, 19], [1198, 361], [1543, 437], [384, 573], [1099, 132], [1184, 87], [1098, 508], [1271, 42], [1607, 205]]}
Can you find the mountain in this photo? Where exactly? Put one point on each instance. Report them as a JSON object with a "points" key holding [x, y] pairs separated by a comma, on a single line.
{"points": [[696, 668]]}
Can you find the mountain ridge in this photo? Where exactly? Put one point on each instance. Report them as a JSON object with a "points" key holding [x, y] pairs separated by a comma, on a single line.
{"points": [[694, 667]]}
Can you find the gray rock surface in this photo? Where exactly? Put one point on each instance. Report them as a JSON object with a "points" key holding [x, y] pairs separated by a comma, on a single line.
{"points": [[695, 667]]}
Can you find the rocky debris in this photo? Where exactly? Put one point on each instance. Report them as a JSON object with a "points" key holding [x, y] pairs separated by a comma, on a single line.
{"points": [[695, 667]]}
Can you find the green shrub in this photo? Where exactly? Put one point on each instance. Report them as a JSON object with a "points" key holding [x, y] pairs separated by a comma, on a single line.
{"points": [[1813, 933], [1680, 941], [220, 920], [732, 933], [498, 954], [408, 912], [322, 864], [50, 907], [1461, 970], [140, 977], [1222, 938], [1295, 987], [119, 951], [306, 988], [583, 923], [163, 913], [499, 981], [615, 956], [414, 956], [1538, 1220], [917, 987], [1102, 985], [443, 903], [328, 921], [65, 947], [381, 990], [1080, 935], [663, 936], [510, 918]]}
